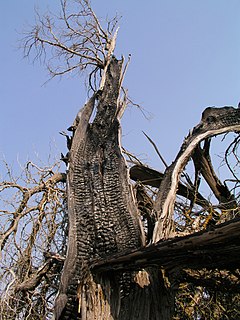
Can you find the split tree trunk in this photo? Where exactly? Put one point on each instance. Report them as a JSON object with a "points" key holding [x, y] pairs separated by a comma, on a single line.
{"points": [[104, 220]]}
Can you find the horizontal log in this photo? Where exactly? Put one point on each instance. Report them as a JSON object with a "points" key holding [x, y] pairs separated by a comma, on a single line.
{"points": [[218, 248]]}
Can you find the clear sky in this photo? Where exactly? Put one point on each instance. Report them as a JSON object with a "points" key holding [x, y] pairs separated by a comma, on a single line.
{"points": [[185, 57]]}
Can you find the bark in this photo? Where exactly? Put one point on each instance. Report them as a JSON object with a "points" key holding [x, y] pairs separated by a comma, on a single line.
{"points": [[104, 220], [214, 121], [153, 178], [217, 248], [99, 280], [203, 164]]}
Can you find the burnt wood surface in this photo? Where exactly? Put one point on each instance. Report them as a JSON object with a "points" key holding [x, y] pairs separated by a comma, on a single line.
{"points": [[105, 229], [103, 216], [217, 248]]}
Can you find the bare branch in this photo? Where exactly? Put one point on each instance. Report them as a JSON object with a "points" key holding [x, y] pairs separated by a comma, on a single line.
{"points": [[32, 222], [73, 42], [214, 121], [156, 149]]}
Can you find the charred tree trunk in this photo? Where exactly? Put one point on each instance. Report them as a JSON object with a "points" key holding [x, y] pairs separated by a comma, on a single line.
{"points": [[104, 220]]}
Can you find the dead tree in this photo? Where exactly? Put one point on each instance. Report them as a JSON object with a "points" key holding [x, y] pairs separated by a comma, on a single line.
{"points": [[103, 224], [32, 221], [128, 256]]}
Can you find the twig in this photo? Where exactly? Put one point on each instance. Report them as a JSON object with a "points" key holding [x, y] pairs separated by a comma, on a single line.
{"points": [[156, 149]]}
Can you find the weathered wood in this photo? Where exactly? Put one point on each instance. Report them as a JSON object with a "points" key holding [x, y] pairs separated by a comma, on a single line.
{"points": [[150, 177], [214, 121], [103, 216], [104, 220], [203, 164], [218, 248]]}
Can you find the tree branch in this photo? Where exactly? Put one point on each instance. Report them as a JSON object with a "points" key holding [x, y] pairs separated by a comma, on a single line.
{"points": [[153, 178], [214, 121], [218, 248]]}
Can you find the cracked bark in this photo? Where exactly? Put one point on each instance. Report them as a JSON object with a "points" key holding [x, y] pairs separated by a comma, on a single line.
{"points": [[218, 248], [104, 220]]}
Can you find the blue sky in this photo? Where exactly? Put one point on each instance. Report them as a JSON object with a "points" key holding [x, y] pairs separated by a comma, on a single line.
{"points": [[185, 57]]}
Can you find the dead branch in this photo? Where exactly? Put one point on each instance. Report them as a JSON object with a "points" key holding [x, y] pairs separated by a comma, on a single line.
{"points": [[214, 121], [218, 248], [73, 41], [156, 149], [32, 223], [153, 178], [36, 277], [23, 208], [202, 161]]}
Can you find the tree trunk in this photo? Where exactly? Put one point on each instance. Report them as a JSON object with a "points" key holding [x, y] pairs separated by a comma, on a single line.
{"points": [[103, 220]]}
